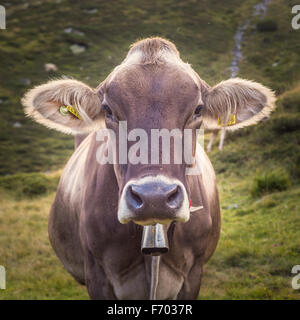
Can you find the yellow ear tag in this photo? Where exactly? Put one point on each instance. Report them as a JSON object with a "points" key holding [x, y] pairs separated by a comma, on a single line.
{"points": [[65, 109], [231, 122]]}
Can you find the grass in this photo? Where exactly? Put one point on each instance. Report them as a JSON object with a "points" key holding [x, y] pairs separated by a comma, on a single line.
{"points": [[32, 269], [259, 242], [266, 25], [276, 62], [202, 30], [276, 180], [259, 245], [258, 179], [28, 185]]}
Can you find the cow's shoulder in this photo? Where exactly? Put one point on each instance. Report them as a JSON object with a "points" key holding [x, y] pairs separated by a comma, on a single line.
{"points": [[72, 179]]}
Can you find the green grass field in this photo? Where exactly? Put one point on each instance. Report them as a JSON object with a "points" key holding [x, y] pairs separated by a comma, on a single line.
{"points": [[258, 170]]}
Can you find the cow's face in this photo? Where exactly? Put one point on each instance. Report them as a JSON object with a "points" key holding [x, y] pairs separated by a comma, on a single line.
{"points": [[154, 99], [151, 90]]}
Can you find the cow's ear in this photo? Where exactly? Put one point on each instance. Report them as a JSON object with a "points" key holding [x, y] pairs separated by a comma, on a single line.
{"points": [[236, 103], [68, 106]]}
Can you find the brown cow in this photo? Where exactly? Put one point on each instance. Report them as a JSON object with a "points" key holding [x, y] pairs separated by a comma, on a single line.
{"points": [[97, 216]]}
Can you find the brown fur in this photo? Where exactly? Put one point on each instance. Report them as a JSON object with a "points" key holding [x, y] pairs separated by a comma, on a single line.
{"points": [[153, 50]]}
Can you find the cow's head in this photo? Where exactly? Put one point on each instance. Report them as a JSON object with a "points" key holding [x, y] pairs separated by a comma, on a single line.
{"points": [[152, 89]]}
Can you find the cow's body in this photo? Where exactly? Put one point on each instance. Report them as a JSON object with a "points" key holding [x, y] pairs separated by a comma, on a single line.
{"points": [[96, 249]]}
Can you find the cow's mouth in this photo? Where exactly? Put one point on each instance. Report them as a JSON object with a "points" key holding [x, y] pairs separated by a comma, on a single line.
{"points": [[153, 199]]}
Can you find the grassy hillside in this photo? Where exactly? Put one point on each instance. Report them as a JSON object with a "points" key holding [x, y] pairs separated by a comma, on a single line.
{"points": [[258, 179], [43, 32], [32, 269], [258, 170]]}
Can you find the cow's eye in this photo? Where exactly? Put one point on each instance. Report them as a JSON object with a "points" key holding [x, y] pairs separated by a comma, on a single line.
{"points": [[108, 112], [198, 110]]}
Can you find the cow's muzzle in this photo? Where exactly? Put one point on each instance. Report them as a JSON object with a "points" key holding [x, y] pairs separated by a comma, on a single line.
{"points": [[153, 200]]}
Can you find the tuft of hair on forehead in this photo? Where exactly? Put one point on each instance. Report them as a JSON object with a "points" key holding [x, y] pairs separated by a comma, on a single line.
{"points": [[153, 50]]}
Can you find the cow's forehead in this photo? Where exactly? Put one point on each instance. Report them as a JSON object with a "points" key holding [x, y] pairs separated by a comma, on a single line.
{"points": [[165, 83]]}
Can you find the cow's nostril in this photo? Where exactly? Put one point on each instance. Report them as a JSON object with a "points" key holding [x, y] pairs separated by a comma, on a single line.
{"points": [[175, 197], [136, 200]]}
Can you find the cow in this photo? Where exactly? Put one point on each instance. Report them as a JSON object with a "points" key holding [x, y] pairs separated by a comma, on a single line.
{"points": [[100, 208], [213, 137], [215, 132]]}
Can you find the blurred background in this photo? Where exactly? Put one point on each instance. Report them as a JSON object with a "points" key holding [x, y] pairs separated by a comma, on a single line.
{"points": [[257, 170]]}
